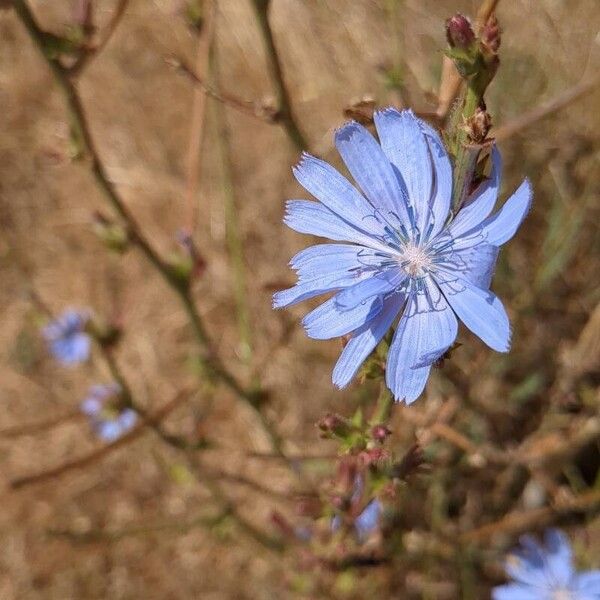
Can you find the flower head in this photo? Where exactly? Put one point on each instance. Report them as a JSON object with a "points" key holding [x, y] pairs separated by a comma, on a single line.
{"points": [[107, 419], [546, 573], [403, 253], [67, 339]]}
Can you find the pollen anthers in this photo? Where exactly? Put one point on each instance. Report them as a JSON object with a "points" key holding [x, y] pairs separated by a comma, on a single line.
{"points": [[415, 260]]}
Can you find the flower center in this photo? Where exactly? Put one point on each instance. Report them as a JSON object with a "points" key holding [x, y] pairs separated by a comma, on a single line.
{"points": [[562, 594], [414, 260]]}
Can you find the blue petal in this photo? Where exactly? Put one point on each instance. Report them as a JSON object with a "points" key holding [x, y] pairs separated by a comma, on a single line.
{"points": [[379, 284], [314, 218], [127, 419], [481, 202], [405, 145], [368, 519], [364, 341], [559, 557], [328, 321], [499, 228], [337, 194], [477, 264], [515, 591], [442, 182], [91, 406], [108, 431], [588, 583], [427, 329], [480, 310], [310, 289], [372, 171], [527, 567], [323, 259], [328, 267]]}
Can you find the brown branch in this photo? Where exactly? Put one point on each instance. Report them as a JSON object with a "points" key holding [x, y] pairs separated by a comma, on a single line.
{"points": [[283, 96], [114, 535], [198, 113], [521, 521], [90, 53], [94, 456], [253, 109], [486, 10], [31, 428], [82, 135], [546, 109]]}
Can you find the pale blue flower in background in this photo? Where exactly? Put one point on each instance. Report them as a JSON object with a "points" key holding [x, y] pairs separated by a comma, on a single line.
{"points": [[547, 573], [67, 339], [106, 418], [368, 520], [407, 255]]}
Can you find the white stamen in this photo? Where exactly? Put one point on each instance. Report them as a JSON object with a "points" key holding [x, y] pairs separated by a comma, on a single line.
{"points": [[414, 260], [562, 594]]}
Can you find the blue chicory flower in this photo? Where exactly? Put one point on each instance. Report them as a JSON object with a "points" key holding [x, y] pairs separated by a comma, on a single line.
{"points": [[67, 339], [406, 253], [368, 518], [547, 573], [106, 419]]}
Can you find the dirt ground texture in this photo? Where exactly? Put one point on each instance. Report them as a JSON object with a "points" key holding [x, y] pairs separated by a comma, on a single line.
{"points": [[334, 52]]}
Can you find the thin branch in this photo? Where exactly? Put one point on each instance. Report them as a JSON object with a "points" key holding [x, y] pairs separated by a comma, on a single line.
{"points": [[520, 521], [114, 535], [232, 228], [99, 454], [283, 97], [546, 109], [31, 428], [255, 109], [198, 113], [84, 60], [82, 134]]}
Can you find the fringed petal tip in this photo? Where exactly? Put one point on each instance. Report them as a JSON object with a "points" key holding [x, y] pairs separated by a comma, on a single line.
{"points": [[392, 110]]}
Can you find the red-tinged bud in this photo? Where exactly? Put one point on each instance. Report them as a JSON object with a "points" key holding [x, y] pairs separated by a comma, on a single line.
{"points": [[490, 35], [373, 456], [335, 425], [380, 432], [459, 32]]}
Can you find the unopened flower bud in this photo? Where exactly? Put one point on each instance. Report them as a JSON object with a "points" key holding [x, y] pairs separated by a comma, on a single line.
{"points": [[188, 245], [373, 456], [459, 32], [478, 125], [380, 432], [490, 36], [334, 425]]}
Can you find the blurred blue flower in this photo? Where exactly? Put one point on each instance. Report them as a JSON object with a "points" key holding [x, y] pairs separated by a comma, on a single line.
{"points": [[407, 253], [106, 418], [546, 573], [368, 519], [67, 339]]}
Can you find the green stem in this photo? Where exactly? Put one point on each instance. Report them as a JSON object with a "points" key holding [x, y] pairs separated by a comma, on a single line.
{"points": [[234, 242], [385, 403]]}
